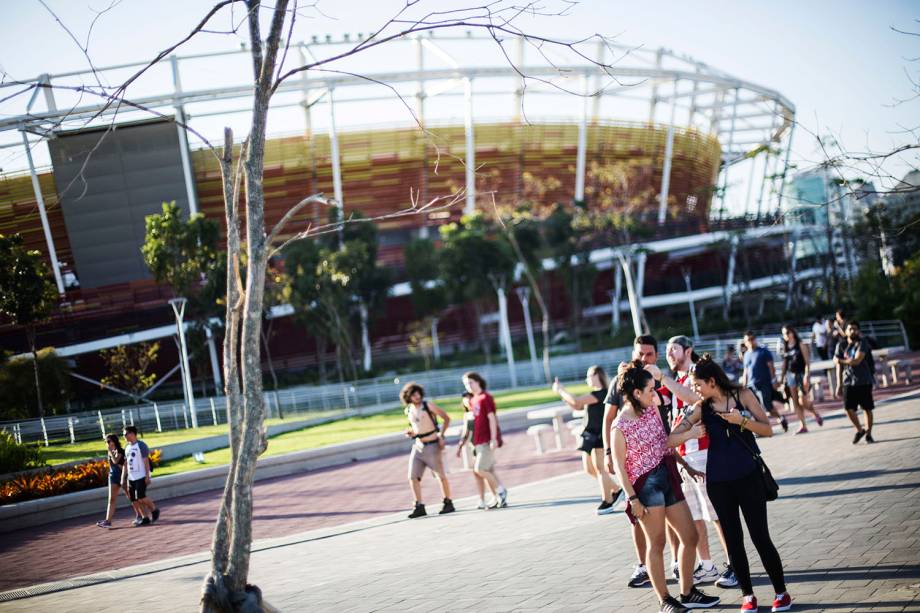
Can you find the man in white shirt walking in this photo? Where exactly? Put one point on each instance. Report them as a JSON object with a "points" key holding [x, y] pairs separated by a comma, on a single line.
{"points": [[137, 474]]}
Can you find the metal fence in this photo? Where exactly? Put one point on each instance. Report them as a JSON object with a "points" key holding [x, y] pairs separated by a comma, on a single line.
{"points": [[371, 395]]}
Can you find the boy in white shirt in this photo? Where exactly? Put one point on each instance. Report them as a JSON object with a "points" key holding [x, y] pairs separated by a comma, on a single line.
{"points": [[137, 474]]}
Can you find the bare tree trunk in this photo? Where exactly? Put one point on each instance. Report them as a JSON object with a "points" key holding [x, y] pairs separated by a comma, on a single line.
{"points": [[38, 387], [271, 367], [538, 295]]}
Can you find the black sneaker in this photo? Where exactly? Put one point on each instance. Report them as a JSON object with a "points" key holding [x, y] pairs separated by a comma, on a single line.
{"points": [[858, 436], [784, 424], [698, 600], [418, 512], [672, 605], [639, 577], [728, 578], [145, 522], [869, 438], [605, 508], [447, 507], [156, 514]]}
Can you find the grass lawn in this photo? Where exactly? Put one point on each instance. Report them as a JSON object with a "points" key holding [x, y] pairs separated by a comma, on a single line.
{"points": [[355, 428], [309, 438]]}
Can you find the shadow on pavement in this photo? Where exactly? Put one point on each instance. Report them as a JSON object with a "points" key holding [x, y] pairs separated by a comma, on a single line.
{"points": [[845, 573], [853, 490], [860, 474]]}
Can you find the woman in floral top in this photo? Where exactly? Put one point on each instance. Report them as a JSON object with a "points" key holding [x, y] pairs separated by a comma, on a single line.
{"points": [[648, 472]]}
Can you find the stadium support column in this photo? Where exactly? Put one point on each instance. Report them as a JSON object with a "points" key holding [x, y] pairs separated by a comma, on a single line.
{"points": [[46, 228], [730, 277], [336, 161], [183, 140], [582, 153], [518, 114], [523, 294], [615, 296], [178, 306], [654, 98], [793, 262], [782, 180], [631, 294], [215, 364], [666, 169], [505, 331], [470, 148], [728, 152], [696, 328]]}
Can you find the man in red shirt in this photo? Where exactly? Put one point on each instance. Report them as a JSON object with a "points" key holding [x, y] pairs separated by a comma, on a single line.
{"points": [[487, 437]]}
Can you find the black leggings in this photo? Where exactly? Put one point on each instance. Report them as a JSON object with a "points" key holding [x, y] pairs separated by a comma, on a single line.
{"points": [[746, 494]]}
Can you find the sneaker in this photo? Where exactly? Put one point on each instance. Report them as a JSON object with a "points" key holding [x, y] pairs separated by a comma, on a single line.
{"points": [[858, 436], [482, 505], [802, 430], [137, 521], [784, 424], [749, 603], [447, 507], [419, 511], [156, 514], [618, 497], [502, 498], [672, 605], [675, 571], [782, 602], [728, 578], [698, 600], [819, 420], [145, 521], [702, 575], [605, 508], [869, 438], [639, 577], [104, 523]]}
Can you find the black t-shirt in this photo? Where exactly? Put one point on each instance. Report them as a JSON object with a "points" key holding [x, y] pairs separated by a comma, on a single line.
{"points": [[594, 413]]}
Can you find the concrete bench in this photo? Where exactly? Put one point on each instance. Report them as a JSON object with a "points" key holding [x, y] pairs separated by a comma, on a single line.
{"points": [[537, 431], [898, 369]]}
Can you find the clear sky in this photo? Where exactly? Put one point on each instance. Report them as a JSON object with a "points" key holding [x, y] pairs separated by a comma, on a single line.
{"points": [[838, 61]]}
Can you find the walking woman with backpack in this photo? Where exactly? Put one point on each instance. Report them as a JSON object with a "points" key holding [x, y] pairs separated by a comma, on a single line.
{"points": [[735, 480], [648, 473], [796, 360]]}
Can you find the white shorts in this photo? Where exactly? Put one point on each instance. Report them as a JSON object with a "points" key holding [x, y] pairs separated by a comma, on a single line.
{"points": [[695, 492]]}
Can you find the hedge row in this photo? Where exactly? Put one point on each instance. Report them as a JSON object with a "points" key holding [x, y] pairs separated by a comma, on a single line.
{"points": [[57, 481]]}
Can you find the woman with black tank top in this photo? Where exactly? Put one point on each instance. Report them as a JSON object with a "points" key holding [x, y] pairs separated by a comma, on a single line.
{"points": [[592, 442], [795, 375], [733, 481]]}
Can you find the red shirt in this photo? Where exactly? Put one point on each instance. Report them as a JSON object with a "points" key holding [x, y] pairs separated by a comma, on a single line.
{"points": [[482, 405], [685, 410]]}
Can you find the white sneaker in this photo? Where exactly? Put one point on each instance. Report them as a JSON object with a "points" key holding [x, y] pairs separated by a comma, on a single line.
{"points": [[482, 505], [705, 575]]}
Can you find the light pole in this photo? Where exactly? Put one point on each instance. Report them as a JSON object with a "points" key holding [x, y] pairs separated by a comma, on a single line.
{"points": [[178, 307], [523, 294]]}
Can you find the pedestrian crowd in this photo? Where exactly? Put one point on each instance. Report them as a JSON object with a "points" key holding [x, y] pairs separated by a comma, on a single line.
{"points": [[678, 447]]}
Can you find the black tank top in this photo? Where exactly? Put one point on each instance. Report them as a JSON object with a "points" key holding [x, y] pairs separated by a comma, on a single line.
{"points": [[794, 358], [594, 412]]}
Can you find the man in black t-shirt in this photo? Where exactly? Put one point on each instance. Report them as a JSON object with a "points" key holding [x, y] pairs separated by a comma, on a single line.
{"points": [[855, 379]]}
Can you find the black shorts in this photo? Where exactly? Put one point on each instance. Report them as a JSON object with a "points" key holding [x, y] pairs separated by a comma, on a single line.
{"points": [[855, 396], [137, 489], [591, 441]]}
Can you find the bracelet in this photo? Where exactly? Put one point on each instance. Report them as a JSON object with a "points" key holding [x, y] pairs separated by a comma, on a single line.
{"points": [[744, 421]]}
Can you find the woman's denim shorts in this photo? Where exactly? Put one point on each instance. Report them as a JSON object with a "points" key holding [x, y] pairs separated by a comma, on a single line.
{"points": [[657, 490]]}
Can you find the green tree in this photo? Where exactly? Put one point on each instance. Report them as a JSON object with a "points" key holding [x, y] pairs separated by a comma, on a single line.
{"points": [[128, 367], [429, 295], [27, 295], [474, 264], [18, 399], [184, 254]]}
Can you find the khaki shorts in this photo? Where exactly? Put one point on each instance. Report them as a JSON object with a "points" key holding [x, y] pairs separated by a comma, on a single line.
{"points": [[425, 456], [485, 457]]}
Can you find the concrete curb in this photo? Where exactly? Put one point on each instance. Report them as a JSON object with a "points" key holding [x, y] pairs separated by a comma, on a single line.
{"points": [[48, 510]]}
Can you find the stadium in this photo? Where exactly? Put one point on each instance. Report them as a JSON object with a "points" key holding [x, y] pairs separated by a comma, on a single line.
{"points": [[706, 155]]}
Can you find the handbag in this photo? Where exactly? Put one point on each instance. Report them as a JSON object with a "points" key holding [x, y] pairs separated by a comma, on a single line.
{"points": [[770, 486]]}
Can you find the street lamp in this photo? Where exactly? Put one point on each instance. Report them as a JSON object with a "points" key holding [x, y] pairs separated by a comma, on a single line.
{"points": [[178, 307]]}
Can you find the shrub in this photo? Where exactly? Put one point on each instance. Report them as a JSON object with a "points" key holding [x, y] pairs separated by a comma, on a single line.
{"points": [[17, 456], [61, 480]]}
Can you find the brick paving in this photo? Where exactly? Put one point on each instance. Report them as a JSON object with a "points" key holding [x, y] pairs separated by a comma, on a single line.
{"points": [[846, 526]]}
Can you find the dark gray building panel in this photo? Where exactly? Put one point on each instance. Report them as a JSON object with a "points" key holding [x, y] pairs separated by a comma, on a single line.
{"points": [[130, 173]]}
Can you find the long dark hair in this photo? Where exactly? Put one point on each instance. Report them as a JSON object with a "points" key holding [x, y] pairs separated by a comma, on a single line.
{"points": [[707, 368], [599, 371], [119, 450], [794, 334], [633, 378]]}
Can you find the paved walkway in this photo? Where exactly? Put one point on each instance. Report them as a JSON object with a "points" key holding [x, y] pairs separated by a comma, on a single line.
{"points": [[847, 526]]}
